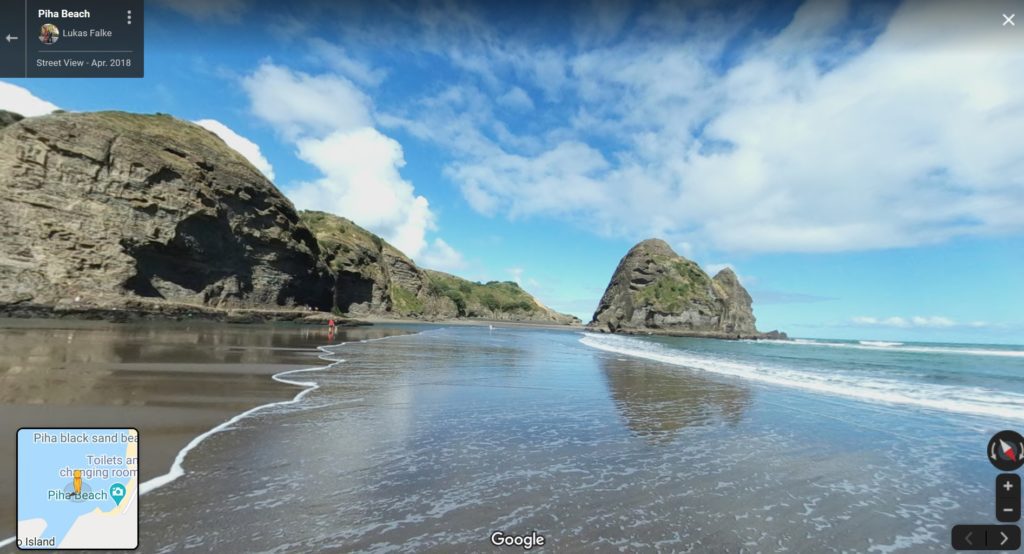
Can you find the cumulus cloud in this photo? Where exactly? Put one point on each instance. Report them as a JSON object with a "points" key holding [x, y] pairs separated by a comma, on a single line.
{"points": [[361, 180], [19, 100], [832, 135], [247, 148], [298, 104], [440, 255], [330, 121]]}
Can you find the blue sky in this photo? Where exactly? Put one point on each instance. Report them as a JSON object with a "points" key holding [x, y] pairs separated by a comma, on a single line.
{"points": [[856, 164]]}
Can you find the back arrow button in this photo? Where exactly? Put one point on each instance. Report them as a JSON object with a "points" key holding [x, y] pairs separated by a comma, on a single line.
{"points": [[10, 38]]}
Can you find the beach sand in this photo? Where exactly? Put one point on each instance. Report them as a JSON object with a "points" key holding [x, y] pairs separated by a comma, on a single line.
{"points": [[171, 381]]}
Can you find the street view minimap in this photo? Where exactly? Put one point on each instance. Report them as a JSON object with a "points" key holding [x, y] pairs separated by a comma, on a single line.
{"points": [[477, 276]]}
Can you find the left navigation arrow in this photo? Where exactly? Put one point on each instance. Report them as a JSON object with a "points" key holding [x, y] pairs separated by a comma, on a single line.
{"points": [[10, 38]]}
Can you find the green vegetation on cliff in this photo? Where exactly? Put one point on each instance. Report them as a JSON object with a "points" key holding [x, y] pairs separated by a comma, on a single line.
{"points": [[480, 299], [681, 284], [376, 278]]}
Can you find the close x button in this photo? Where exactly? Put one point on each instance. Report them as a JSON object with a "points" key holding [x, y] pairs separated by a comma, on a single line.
{"points": [[1008, 497], [986, 537]]}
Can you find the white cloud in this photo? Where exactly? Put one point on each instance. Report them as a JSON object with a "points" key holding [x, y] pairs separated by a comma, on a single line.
{"points": [[247, 148], [813, 141], [331, 123], [934, 321], [929, 322], [338, 59], [440, 255], [19, 100], [361, 181], [516, 98], [299, 104]]}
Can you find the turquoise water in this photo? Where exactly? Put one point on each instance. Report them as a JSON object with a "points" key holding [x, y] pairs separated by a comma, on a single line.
{"points": [[430, 442]]}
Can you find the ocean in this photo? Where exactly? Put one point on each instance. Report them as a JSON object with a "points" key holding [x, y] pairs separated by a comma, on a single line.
{"points": [[434, 441]]}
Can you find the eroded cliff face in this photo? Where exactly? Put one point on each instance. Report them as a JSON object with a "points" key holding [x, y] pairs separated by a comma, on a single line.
{"points": [[108, 206], [655, 289]]}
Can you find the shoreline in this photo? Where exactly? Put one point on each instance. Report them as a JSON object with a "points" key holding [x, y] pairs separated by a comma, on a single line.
{"points": [[135, 311], [178, 383], [177, 471], [469, 322], [150, 311]]}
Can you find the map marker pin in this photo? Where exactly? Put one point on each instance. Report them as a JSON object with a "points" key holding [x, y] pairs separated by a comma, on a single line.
{"points": [[117, 492]]}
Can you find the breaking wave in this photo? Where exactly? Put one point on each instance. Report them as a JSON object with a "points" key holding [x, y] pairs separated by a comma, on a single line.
{"points": [[890, 390]]}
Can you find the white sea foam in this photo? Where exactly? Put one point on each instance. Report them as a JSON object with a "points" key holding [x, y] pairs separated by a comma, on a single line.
{"points": [[966, 400], [910, 348]]}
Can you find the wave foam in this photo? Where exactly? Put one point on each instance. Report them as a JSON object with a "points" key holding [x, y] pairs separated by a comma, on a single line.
{"points": [[973, 400], [910, 348]]}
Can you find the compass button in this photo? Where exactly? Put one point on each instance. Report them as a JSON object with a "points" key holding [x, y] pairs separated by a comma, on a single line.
{"points": [[1006, 450]]}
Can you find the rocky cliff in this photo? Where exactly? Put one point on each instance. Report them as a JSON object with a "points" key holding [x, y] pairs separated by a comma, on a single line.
{"points": [[375, 278], [111, 212], [109, 209], [654, 289]]}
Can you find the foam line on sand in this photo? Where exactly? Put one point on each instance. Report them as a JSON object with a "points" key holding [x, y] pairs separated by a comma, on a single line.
{"points": [[177, 470]]}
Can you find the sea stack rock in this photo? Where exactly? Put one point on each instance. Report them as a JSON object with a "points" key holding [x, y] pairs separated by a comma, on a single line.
{"points": [[108, 208], [656, 290]]}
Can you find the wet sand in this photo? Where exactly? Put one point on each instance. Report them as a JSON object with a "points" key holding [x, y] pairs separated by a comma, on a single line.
{"points": [[171, 381]]}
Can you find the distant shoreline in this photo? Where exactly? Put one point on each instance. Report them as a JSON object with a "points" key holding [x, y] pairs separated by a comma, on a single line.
{"points": [[132, 310], [135, 310], [473, 322]]}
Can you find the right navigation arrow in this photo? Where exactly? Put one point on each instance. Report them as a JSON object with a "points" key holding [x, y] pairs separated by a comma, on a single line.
{"points": [[1005, 538]]}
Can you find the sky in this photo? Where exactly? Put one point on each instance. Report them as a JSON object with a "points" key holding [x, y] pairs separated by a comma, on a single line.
{"points": [[857, 164]]}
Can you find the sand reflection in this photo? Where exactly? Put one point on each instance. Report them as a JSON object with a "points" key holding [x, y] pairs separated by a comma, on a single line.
{"points": [[657, 401]]}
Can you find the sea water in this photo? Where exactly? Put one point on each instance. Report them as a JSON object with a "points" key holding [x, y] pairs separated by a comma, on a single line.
{"points": [[434, 441]]}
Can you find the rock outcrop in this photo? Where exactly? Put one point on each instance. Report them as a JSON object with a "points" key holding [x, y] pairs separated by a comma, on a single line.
{"points": [[656, 290], [375, 278], [6, 118], [111, 208]]}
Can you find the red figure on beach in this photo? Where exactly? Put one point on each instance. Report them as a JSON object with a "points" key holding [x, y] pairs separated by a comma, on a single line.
{"points": [[330, 323]]}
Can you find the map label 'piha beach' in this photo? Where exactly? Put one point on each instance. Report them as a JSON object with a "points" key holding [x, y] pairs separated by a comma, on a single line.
{"points": [[78, 488]]}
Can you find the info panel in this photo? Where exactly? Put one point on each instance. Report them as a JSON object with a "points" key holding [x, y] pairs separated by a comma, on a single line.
{"points": [[71, 38]]}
